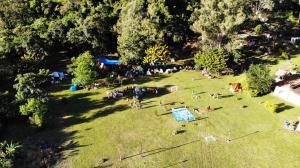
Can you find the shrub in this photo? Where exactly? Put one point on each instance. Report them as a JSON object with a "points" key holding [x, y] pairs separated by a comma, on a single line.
{"points": [[213, 60], [157, 54], [259, 80], [7, 154], [258, 30], [291, 17], [271, 107], [284, 55], [83, 69], [35, 109]]}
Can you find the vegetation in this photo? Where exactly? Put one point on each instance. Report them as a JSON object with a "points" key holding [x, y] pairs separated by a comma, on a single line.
{"points": [[258, 30], [41, 36], [32, 96], [214, 60], [36, 109], [7, 154], [109, 139], [83, 69], [157, 54], [284, 55], [259, 80], [271, 107], [216, 20]]}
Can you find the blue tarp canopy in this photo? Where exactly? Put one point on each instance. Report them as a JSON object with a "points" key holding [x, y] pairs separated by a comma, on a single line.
{"points": [[183, 114], [108, 61]]}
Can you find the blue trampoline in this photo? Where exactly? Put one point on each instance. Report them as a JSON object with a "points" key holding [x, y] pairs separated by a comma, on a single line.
{"points": [[183, 114], [108, 61]]}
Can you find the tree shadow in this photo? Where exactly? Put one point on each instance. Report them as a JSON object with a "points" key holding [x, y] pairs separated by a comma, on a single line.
{"points": [[217, 108], [226, 96], [51, 144], [283, 107], [177, 163], [158, 150]]}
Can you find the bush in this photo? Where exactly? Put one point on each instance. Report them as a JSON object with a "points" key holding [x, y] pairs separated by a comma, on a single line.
{"points": [[271, 107], [258, 30], [83, 69], [213, 60], [292, 18], [7, 154], [284, 55], [35, 109], [259, 80], [157, 54]]}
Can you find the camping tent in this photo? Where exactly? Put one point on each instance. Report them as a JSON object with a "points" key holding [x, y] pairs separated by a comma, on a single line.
{"points": [[106, 61], [73, 88], [59, 75]]}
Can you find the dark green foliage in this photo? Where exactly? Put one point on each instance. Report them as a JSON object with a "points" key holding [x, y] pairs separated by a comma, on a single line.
{"points": [[32, 96], [259, 80], [214, 60], [144, 23], [136, 32], [6, 106], [7, 154], [31, 85], [216, 20]]}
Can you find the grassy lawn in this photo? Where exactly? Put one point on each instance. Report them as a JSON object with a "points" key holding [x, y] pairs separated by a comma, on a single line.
{"points": [[143, 138]]}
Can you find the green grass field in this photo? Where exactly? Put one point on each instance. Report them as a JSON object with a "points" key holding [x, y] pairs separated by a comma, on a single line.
{"points": [[143, 138]]}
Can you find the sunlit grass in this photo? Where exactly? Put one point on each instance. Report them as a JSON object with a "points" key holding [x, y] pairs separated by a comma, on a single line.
{"points": [[258, 137]]}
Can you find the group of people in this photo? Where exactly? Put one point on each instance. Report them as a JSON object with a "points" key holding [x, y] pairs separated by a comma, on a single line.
{"points": [[136, 92]]}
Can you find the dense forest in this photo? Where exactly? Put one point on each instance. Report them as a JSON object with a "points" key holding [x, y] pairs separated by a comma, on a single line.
{"points": [[36, 35]]}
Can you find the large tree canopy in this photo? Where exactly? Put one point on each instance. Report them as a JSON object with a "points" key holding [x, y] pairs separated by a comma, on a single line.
{"points": [[145, 23], [216, 20]]}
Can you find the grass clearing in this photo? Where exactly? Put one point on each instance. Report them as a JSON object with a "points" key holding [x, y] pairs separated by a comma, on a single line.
{"points": [[143, 138]]}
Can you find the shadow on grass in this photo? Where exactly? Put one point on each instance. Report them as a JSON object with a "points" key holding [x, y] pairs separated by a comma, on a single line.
{"points": [[283, 107], [177, 163], [226, 96], [51, 144], [158, 150], [244, 136], [217, 108]]}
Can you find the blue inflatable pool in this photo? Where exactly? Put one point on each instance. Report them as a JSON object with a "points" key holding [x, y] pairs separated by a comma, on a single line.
{"points": [[183, 114]]}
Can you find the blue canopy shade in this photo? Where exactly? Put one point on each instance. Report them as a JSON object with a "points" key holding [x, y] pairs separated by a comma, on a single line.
{"points": [[108, 61]]}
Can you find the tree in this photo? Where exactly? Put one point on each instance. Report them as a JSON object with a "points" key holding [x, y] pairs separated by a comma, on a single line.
{"points": [[258, 6], [157, 54], [213, 60], [216, 20], [259, 80], [31, 85], [32, 96], [136, 32], [35, 109], [83, 69]]}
